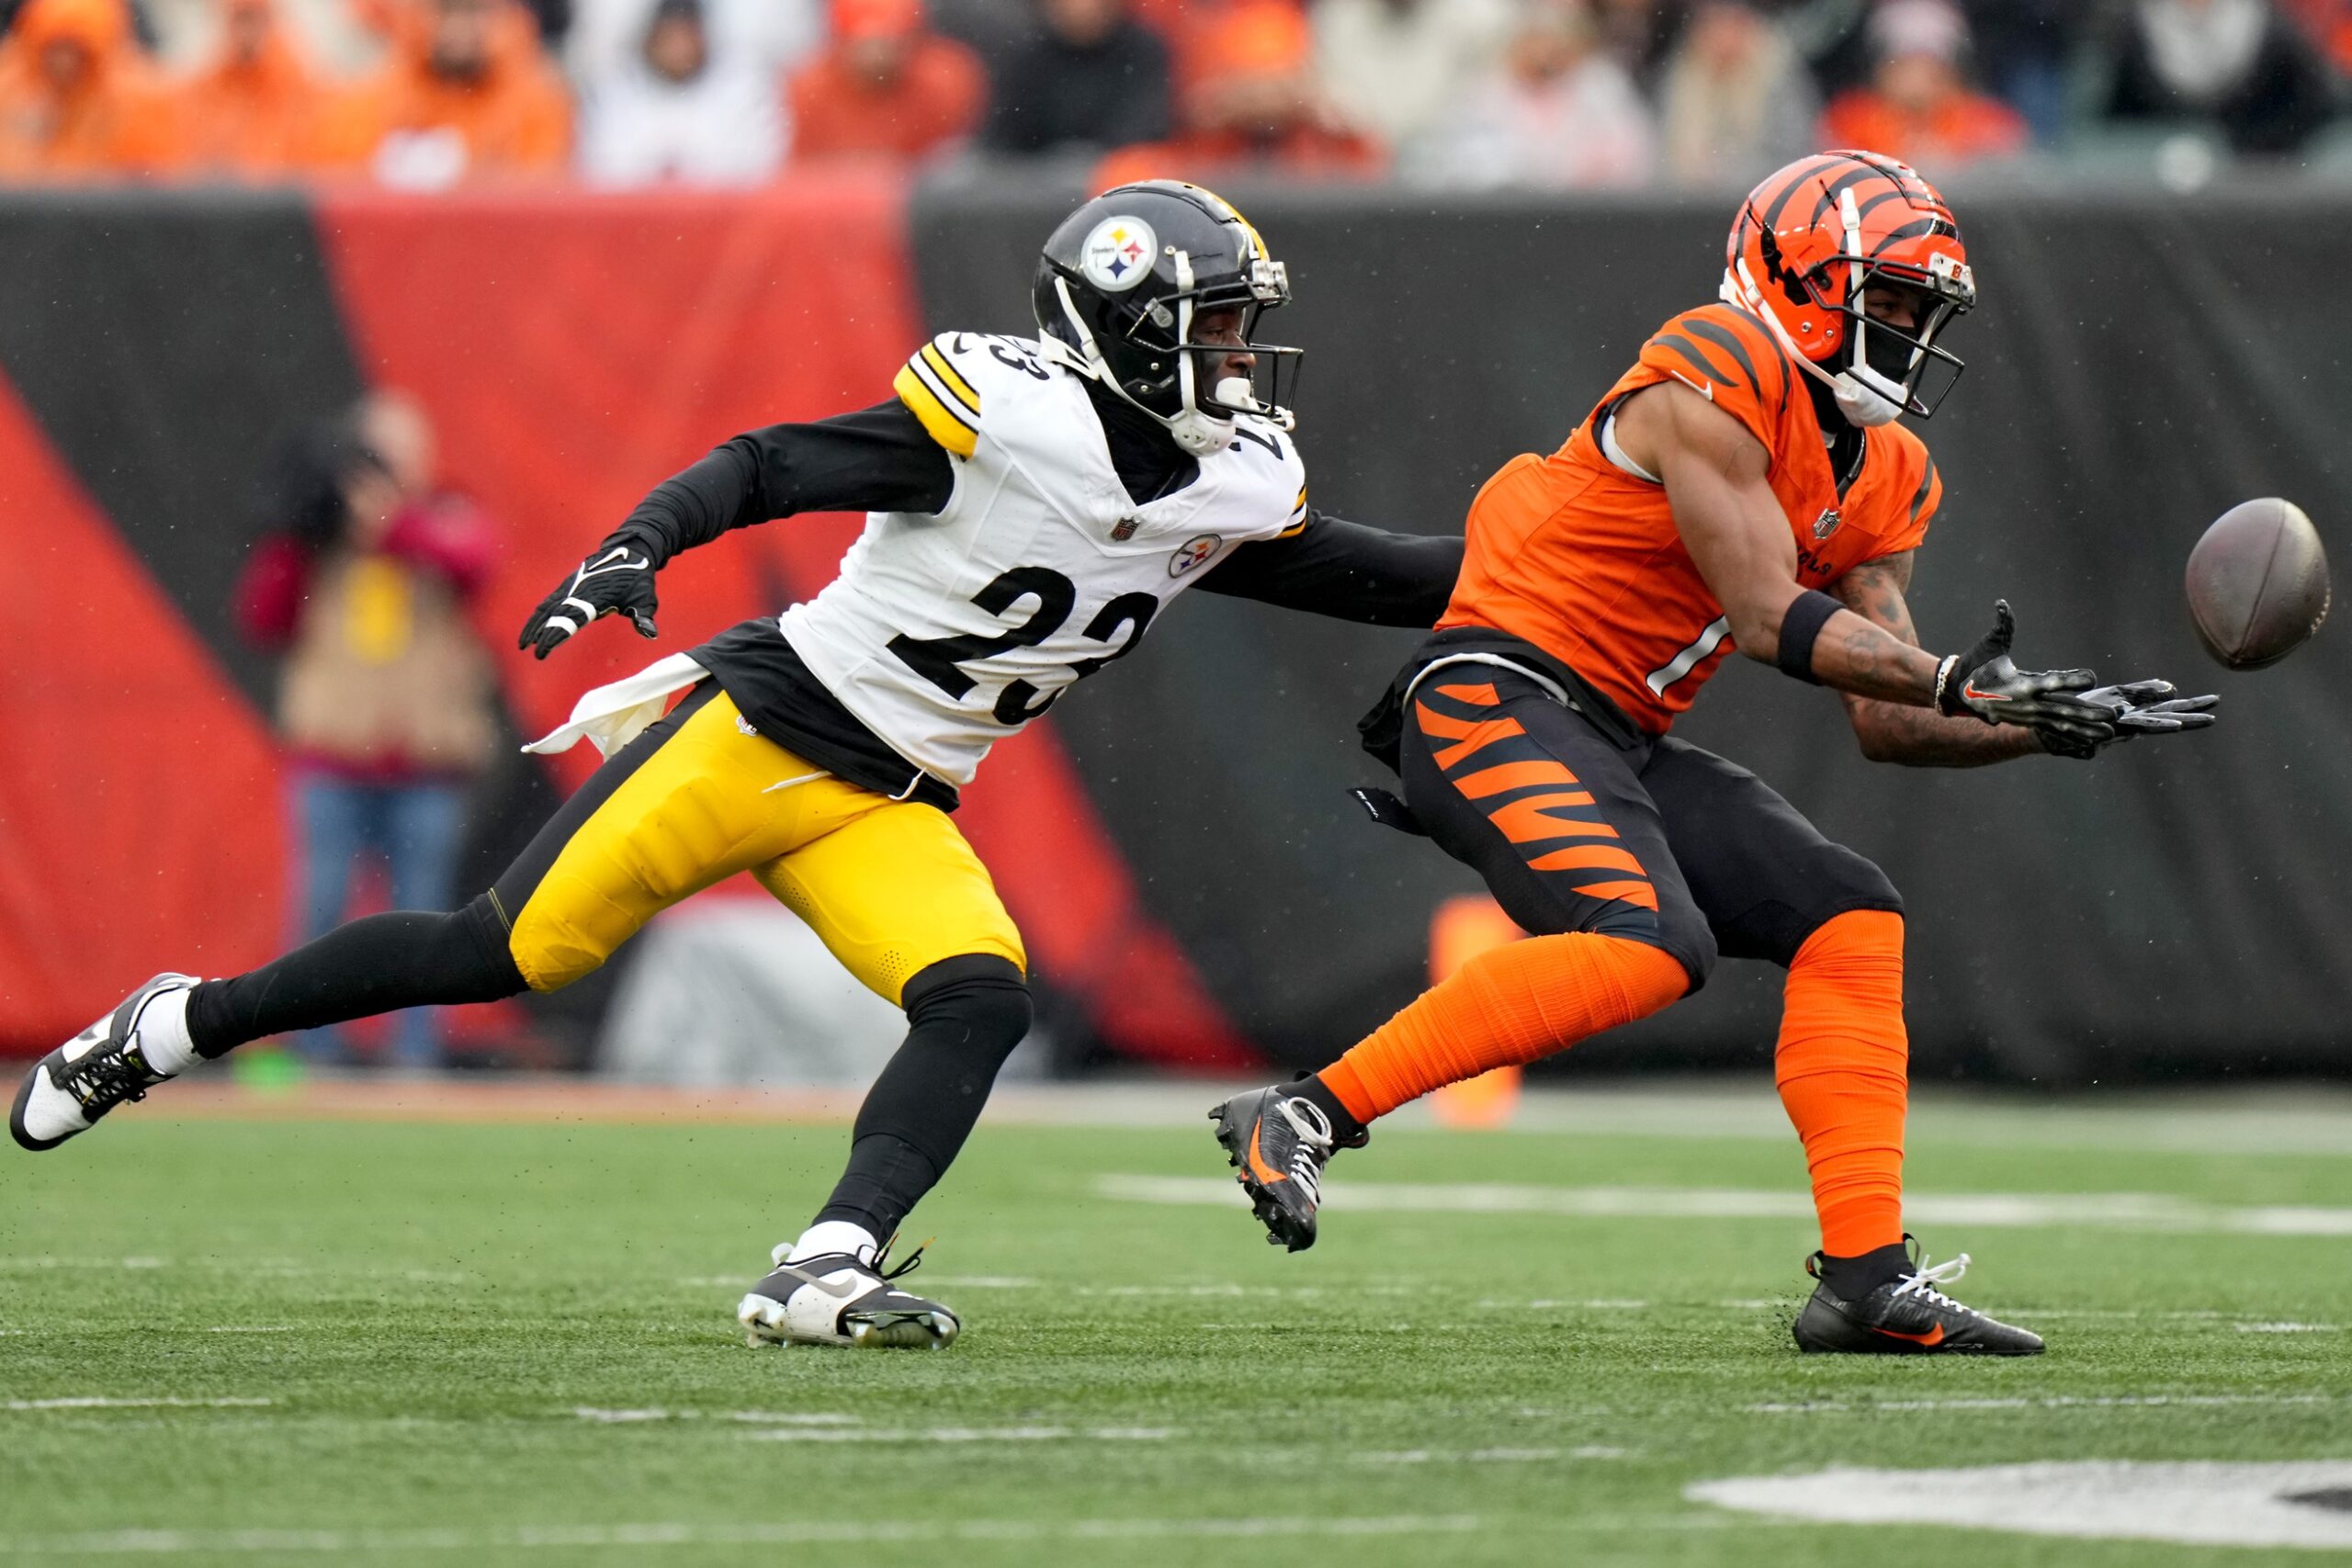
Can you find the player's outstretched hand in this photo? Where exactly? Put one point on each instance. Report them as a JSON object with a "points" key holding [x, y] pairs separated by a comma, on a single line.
{"points": [[1985, 682], [616, 580], [2139, 708]]}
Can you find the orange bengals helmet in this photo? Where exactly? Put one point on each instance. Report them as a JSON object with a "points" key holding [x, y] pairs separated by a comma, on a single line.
{"points": [[1812, 237]]}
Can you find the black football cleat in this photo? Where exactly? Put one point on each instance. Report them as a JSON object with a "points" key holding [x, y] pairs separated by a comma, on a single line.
{"points": [[838, 1299], [1906, 1316], [67, 1091], [1278, 1144]]}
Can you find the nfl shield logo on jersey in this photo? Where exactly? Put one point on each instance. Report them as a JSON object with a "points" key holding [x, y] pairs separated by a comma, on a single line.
{"points": [[1827, 524], [1118, 254], [1192, 552], [1125, 529]]}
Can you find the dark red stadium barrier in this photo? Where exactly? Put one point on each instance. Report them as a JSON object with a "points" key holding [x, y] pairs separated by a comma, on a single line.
{"points": [[572, 352]]}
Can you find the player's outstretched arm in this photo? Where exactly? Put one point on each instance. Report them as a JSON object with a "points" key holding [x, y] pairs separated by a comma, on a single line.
{"points": [[876, 459], [1333, 567], [1919, 738], [1718, 481]]}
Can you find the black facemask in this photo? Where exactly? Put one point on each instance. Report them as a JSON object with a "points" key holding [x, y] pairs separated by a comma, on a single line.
{"points": [[1888, 354]]}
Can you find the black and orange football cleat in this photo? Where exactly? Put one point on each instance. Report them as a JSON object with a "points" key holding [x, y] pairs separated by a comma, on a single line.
{"points": [[1278, 1144], [1906, 1316]]}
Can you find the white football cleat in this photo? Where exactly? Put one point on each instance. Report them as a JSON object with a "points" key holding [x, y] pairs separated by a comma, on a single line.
{"points": [[67, 1090], [836, 1300]]}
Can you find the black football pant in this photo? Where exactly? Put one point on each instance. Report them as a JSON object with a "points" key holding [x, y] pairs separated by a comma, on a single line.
{"points": [[1657, 841]]}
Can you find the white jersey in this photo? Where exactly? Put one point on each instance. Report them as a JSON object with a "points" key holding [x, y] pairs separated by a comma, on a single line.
{"points": [[945, 633]]}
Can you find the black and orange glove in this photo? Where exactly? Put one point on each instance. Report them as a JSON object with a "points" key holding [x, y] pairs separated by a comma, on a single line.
{"points": [[1986, 684], [616, 581]]}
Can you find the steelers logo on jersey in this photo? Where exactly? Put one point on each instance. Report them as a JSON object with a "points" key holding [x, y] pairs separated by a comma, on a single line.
{"points": [[1192, 552], [1118, 254]]}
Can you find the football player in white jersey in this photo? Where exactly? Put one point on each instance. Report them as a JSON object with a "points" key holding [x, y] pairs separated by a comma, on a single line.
{"points": [[1034, 505]]}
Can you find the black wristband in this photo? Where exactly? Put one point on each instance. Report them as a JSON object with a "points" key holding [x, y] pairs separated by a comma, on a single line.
{"points": [[1800, 625]]}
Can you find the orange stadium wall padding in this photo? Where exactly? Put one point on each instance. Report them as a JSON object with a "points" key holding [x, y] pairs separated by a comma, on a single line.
{"points": [[572, 352]]}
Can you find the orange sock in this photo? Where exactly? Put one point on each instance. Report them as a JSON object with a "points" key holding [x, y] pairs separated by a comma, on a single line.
{"points": [[1505, 1007], [1842, 1072]]}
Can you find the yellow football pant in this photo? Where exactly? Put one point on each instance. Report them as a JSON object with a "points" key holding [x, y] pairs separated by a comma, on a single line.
{"points": [[891, 886]]}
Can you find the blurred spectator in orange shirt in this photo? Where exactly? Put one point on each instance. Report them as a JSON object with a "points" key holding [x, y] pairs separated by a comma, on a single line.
{"points": [[1918, 107], [1256, 108], [887, 86], [687, 109], [466, 92], [1561, 115], [76, 96], [250, 110]]}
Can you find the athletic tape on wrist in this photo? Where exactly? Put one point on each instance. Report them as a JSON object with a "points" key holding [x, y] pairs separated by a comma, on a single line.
{"points": [[1801, 626]]}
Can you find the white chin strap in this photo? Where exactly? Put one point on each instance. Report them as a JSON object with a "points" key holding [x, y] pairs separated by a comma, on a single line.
{"points": [[1867, 398], [1201, 434]]}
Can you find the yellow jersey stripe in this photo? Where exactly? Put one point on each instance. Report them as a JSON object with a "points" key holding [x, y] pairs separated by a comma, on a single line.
{"points": [[945, 427], [939, 390], [949, 379]]}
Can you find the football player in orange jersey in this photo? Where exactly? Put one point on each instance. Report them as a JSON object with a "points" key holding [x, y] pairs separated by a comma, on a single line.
{"points": [[1745, 486]]}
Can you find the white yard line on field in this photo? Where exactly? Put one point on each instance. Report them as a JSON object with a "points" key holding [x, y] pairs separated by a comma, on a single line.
{"points": [[2106, 1211], [2050, 1402], [41, 1261], [962, 1434], [100, 1401], [2294, 1504], [794, 1533], [757, 1417]]}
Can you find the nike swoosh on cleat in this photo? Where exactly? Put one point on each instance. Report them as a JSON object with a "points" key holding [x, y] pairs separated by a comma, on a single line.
{"points": [[1933, 1336], [1258, 1166]]}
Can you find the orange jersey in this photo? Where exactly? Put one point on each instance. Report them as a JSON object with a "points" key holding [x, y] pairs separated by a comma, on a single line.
{"points": [[1582, 559]]}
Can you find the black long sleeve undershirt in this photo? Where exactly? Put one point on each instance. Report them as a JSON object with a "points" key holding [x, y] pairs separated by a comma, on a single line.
{"points": [[875, 460], [881, 459], [1333, 567]]}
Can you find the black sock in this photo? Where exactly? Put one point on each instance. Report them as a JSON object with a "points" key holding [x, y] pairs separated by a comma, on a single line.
{"points": [[1345, 1128], [399, 960], [1851, 1278], [964, 1017]]}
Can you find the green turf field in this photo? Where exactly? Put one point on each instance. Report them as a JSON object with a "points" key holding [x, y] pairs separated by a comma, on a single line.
{"points": [[482, 1344]]}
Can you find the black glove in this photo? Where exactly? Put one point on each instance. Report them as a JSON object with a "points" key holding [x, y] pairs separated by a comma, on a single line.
{"points": [[616, 580], [2137, 707], [1986, 684]]}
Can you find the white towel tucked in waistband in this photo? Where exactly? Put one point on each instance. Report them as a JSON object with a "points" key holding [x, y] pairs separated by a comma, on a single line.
{"points": [[616, 714]]}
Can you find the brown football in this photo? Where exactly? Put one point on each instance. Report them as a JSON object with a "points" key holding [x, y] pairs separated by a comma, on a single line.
{"points": [[2258, 583]]}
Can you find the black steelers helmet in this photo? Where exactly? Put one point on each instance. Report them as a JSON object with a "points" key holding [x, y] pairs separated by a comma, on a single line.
{"points": [[1120, 284]]}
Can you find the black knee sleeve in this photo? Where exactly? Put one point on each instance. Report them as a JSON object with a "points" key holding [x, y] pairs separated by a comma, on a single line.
{"points": [[403, 959], [964, 1018]]}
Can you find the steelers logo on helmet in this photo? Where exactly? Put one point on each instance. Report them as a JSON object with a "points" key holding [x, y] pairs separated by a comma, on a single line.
{"points": [[1118, 254]]}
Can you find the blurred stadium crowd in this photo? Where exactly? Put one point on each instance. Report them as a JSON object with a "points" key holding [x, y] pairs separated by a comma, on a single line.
{"points": [[427, 95]]}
